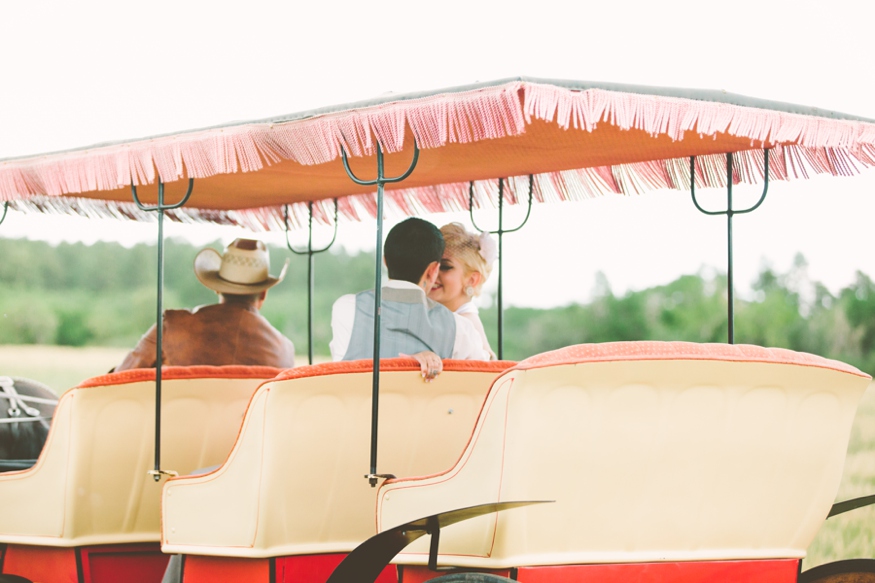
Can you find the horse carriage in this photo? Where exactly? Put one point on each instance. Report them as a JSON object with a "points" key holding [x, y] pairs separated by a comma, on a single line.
{"points": [[644, 461]]}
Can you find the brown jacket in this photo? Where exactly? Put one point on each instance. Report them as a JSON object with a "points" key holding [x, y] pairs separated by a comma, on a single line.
{"points": [[217, 334]]}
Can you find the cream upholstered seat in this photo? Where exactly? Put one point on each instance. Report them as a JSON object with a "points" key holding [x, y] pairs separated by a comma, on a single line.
{"points": [[652, 452], [90, 484], [294, 483]]}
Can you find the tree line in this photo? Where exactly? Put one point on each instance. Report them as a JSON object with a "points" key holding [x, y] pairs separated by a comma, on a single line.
{"points": [[104, 295]]}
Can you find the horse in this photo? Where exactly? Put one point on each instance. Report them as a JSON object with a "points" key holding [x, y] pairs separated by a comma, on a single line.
{"points": [[26, 409]]}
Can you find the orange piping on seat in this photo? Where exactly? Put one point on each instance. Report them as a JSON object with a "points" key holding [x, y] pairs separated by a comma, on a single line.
{"points": [[391, 364], [356, 366], [182, 372], [654, 350]]}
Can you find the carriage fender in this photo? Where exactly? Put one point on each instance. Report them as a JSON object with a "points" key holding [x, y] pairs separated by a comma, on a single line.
{"points": [[366, 561]]}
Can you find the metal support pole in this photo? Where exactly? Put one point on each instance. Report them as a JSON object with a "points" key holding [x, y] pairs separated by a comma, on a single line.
{"points": [[500, 232], [380, 181], [310, 252], [310, 291], [159, 319], [730, 212], [730, 287], [160, 208], [500, 269], [378, 309], [5, 210]]}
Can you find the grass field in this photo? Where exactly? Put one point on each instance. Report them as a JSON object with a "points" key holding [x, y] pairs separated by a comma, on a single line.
{"points": [[851, 535], [59, 367]]}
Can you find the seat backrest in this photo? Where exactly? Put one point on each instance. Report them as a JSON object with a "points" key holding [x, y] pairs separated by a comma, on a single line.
{"points": [[294, 483], [90, 484], [652, 451]]}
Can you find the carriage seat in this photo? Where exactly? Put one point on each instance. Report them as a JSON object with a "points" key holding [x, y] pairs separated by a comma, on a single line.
{"points": [[294, 483], [652, 451], [90, 484]]}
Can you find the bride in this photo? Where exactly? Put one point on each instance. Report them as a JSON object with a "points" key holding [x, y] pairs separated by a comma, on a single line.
{"points": [[465, 266]]}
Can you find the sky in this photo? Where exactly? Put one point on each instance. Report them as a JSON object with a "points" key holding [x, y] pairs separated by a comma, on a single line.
{"points": [[77, 74]]}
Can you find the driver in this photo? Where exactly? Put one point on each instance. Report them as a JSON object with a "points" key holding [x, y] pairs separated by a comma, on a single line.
{"points": [[229, 332]]}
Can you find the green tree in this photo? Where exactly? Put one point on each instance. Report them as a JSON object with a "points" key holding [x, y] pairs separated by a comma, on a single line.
{"points": [[104, 294]]}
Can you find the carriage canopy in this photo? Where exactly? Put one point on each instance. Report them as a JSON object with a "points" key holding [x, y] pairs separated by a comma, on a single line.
{"points": [[578, 140]]}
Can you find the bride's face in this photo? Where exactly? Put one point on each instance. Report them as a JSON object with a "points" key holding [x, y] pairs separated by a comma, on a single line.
{"points": [[449, 289]]}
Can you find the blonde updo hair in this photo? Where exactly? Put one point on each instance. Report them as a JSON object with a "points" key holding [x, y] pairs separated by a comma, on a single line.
{"points": [[464, 247]]}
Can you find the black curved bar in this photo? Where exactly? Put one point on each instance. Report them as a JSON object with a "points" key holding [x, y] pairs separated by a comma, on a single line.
{"points": [[842, 570], [846, 505], [5, 210], [365, 563], [184, 199], [501, 230], [380, 180], [471, 204], [161, 206], [309, 249], [765, 186], [352, 176], [528, 210], [730, 212], [409, 168], [693, 190]]}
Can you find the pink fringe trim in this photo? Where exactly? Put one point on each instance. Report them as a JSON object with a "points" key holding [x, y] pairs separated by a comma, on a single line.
{"points": [[826, 146], [674, 116], [571, 185], [437, 120]]}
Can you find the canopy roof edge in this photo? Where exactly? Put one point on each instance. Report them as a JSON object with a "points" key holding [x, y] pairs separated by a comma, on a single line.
{"points": [[710, 95], [579, 139]]}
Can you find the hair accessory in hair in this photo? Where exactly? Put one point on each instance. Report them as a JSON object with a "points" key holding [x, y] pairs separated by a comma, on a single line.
{"points": [[488, 248]]}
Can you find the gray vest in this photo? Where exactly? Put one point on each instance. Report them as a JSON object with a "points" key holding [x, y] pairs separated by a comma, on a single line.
{"points": [[406, 325]]}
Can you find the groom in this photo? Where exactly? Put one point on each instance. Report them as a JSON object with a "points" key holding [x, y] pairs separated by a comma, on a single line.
{"points": [[411, 323]]}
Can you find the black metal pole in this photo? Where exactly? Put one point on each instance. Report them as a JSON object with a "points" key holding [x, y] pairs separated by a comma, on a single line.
{"points": [[378, 298], [380, 182], [159, 318], [729, 274], [500, 269], [310, 286], [159, 329], [729, 212], [311, 265], [500, 232]]}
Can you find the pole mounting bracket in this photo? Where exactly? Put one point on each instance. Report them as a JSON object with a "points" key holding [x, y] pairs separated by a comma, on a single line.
{"points": [[730, 212], [160, 208], [501, 232], [309, 252], [380, 181]]}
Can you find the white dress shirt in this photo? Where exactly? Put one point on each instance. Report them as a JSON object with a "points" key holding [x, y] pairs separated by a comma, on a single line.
{"points": [[466, 346]]}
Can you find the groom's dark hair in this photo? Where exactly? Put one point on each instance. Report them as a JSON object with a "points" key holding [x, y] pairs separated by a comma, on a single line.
{"points": [[411, 246]]}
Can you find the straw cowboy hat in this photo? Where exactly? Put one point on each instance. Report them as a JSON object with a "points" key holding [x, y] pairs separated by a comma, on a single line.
{"points": [[242, 270]]}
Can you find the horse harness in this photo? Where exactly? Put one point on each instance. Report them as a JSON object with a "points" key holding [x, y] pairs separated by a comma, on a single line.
{"points": [[18, 410]]}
